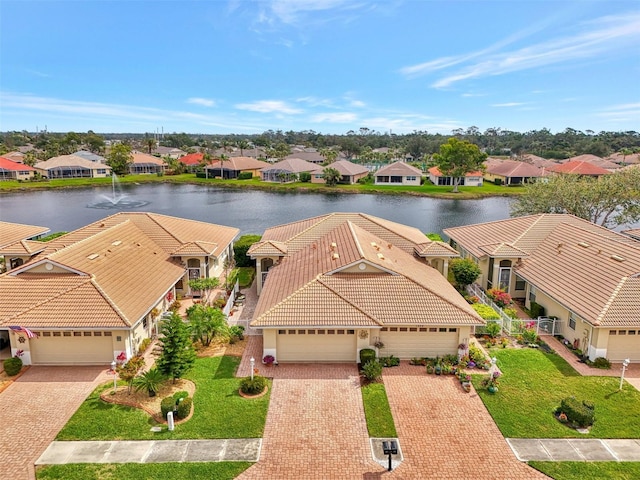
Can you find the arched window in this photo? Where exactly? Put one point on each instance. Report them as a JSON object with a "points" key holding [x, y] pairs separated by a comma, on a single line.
{"points": [[504, 275], [266, 264]]}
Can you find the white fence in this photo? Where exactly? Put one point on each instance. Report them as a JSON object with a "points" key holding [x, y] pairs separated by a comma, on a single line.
{"points": [[514, 326], [232, 298]]}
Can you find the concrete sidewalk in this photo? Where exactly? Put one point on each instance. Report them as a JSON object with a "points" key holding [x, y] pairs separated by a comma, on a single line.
{"points": [[575, 449], [153, 451]]}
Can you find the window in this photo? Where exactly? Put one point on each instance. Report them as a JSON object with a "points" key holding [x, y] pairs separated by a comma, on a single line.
{"points": [[433, 329], [46, 334], [281, 332], [384, 329], [66, 334], [393, 329], [453, 330], [292, 332], [57, 334], [632, 332], [411, 178], [301, 332], [77, 334], [442, 329], [403, 329], [423, 329], [504, 274], [312, 332], [612, 332], [520, 283], [321, 332], [413, 329], [97, 334], [107, 334], [532, 294], [395, 179], [86, 334], [572, 323], [622, 332], [331, 332], [340, 332], [351, 332], [144, 322]]}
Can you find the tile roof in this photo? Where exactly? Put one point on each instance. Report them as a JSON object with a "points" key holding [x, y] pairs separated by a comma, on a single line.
{"points": [[299, 234], [579, 168], [195, 248], [192, 158], [345, 167], [351, 277], [14, 232], [502, 250], [590, 273], [8, 164], [620, 158], [512, 168], [240, 163], [270, 247], [70, 161], [399, 169], [308, 156], [139, 157], [435, 171], [23, 247], [436, 249], [523, 233], [113, 271], [634, 232], [293, 165]]}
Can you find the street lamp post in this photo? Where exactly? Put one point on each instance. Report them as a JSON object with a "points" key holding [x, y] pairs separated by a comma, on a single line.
{"points": [[253, 363], [113, 369], [625, 364]]}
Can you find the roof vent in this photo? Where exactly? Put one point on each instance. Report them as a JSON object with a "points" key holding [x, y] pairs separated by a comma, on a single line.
{"points": [[335, 256], [381, 256], [617, 258], [583, 244], [93, 256], [116, 243], [334, 245]]}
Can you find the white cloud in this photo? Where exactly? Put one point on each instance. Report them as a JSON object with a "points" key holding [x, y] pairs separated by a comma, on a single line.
{"points": [[626, 112], [268, 106], [508, 104], [292, 11], [469, 95], [315, 101], [205, 102], [344, 117], [605, 34]]}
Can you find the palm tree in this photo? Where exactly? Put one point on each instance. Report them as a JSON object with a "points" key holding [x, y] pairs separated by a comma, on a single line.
{"points": [[151, 381]]}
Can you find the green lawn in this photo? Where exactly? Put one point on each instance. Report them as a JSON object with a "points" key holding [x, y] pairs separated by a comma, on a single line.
{"points": [[245, 276], [534, 382], [219, 411], [377, 412], [428, 189], [143, 471], [589, 470]]}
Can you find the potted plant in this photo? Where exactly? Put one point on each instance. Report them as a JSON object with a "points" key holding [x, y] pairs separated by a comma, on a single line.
{"points": [[438, 369], [491, 382], [268, 360]]}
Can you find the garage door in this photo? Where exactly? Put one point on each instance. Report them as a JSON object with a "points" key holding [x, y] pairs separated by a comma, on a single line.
{"points": [[623, 344], [409, 342], [63, 348], [324, 345]]}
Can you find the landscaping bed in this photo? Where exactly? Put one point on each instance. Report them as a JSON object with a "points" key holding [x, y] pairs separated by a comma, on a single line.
{"points": [[584, 470]]}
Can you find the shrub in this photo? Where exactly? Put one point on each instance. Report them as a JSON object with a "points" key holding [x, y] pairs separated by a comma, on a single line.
{"points": [[476, 354], [493, 329], [245, 176], [367, 355], [305, 177], [529, 336], [497, 181], [253, 387], [240, 248], [144, 345], [465, 271], [390, 361], [12, 366], [184, 407], [372, 370], [178, 395], [151, 381], [166, 406], [236, 332], [602, 362], [500, 297], [578, 413], [511, 312], [417, 361], [536, 310], [485, 311]]}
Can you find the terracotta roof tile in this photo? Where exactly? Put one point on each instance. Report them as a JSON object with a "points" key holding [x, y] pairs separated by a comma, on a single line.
{"points": [[270, 247], [14, 232], [23, 247], [8, 164], [579, 168], [436, 249], [399, 169]]}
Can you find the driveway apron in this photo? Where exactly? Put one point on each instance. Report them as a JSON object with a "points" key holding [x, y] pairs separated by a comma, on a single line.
{"points": [[315, 426], [34, 409], [445, 433]]}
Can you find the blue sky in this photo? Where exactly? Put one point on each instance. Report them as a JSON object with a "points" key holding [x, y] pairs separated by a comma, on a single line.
{"points": [[241, 66]]}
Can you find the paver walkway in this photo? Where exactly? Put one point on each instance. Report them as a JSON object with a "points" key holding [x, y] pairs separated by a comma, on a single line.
{"points": [[34, 408], [446, 433], [315, 426], [152, 451], [575, 449]]}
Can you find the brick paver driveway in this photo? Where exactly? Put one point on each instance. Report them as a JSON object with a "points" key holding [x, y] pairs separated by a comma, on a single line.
{"points": [[315, 426], [446, 433], [34, 409]]}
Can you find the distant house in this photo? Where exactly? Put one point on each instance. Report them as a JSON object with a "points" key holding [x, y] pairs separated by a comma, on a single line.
{"points": [[234, 166], [90, 156], [287, 170], [471, 179], [17, 157], [535, 160], [308, 155], [72, 166], [576, 167], [594, 160], [398, 173], [192, 161], [585, 275], [170, 152], [621, 159], [350, 172], [143, 163], [10, 170], [511, 172]]}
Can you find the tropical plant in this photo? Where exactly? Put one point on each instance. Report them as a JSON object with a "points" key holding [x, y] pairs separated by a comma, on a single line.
{"points": [[207, 323], [331, 176], [151, 381], [129, 370], [204, 285], [500, 297], [178, 354], [485, 311], [119, 158], [493, 329], [372, 370], [253, 386], [457, 158]]}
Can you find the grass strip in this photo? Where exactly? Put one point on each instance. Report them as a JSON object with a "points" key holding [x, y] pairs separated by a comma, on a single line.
{"points": [[377, 412]]}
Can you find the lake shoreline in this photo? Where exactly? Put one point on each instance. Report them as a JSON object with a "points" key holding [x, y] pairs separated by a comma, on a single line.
{"points": [[467, 193]]}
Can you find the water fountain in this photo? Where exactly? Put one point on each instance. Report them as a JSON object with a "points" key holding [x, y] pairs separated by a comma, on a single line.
{"points": [[117, 200]]}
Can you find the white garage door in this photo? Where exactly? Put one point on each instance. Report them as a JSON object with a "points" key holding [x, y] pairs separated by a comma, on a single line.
{"points": [[623, 344], [409, 342], [56, 348], [323, 345]]}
